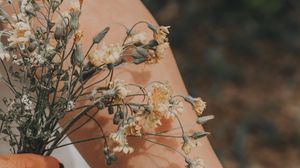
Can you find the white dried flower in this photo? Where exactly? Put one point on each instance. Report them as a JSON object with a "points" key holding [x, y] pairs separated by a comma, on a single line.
{"points": [[38, 59], [28, 105], [125, 148], [18, 62], [162, 103], [197, 103], [152, 120], [194, 163], [132, 128], [161, 50], [20, 34], [157, 54], [160, 96], [160, 34], [118, 89], [70, 105], [119, 136], [93, 94], [159, 105], [188, 144], [106, 55], [175, 108], [139, 37]]}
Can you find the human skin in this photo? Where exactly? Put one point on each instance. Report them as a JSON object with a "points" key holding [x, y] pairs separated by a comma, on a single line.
{"points": [[28, 161], [96, 15]]}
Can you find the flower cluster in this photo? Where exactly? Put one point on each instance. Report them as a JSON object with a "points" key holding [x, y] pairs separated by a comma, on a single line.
{"points": [[50, 74]]}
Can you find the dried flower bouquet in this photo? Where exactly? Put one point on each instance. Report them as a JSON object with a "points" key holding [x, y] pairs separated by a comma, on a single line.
{"points": [[49, 75]]}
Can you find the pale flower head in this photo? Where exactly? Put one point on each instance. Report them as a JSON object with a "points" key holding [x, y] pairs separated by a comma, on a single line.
{"points": [[70, 105], [20, 34], [157, 54], [159, 104], [175, 108], [197, 103], [106, 55], [78, 35], [27, 103], [159, 96], [152, 120], [125, 148], [118, 89], [132, 128], [160, 34], [119, 136], [38, 59], [188, 144], [161, 49], [139, 37]]}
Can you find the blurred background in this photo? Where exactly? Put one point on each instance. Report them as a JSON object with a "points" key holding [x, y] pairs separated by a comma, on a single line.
{"points": [[242, 58]]}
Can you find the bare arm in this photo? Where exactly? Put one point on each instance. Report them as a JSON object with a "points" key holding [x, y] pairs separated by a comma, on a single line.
{"points": [[95, 16]]}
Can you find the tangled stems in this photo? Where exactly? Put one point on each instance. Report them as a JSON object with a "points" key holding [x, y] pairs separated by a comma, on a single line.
{"points": [[68, 126], [54, 76]]}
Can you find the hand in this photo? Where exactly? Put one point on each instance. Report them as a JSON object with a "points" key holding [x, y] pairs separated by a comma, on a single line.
{"points": [[28, 161]]}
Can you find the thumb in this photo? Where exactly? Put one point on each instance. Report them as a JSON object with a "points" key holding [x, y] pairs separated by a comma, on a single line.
{"points": [[28, 161]]}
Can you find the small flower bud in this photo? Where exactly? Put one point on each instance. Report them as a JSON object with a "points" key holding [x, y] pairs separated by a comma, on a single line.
{"points": [[100, 105], [204, 119], [110, 110], [59, 33], [106, 151], [32, 46], [97, 39], [117, 118], [152, 27], [198, 135], [121, 114], [77, 55]]}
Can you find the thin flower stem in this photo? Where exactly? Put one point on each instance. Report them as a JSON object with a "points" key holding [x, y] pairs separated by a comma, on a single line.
{"points": [[101, 128], [130, 30], [9, 86], [168, 136], [80, 126], [15, 10], [8, 77], [83, 83], [180, 124], [75, 142], [95, 83], [88, 51], [68, 126], [111, 75], [169, 147]]}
